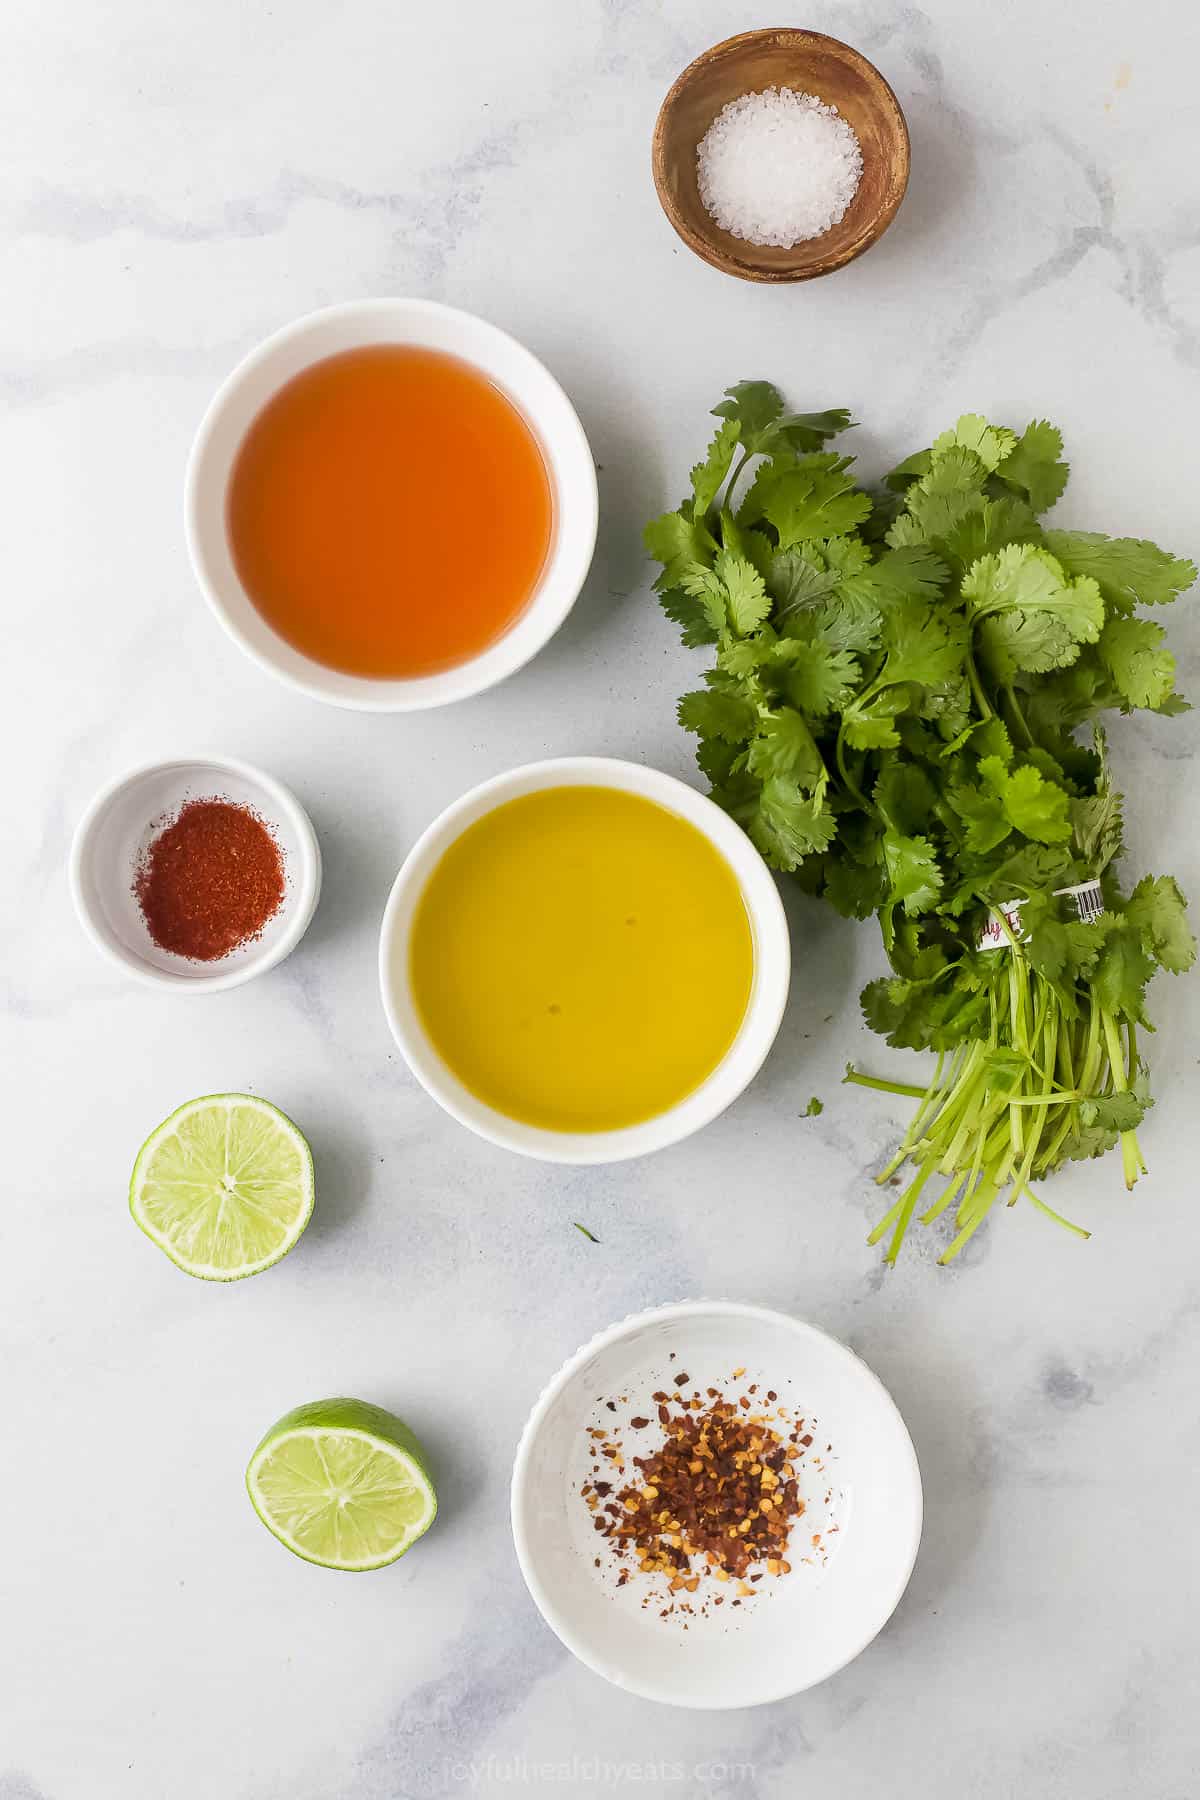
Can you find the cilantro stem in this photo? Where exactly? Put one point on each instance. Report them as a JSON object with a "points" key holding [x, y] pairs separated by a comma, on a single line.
{"points": [[884, 1087], [911, 1195], [1018, 715], [735, 477], [977, 687], [851, 785], [1131, 1155], [989, 1189], [892, 1213], [947, 1197], [1057, 1217]]}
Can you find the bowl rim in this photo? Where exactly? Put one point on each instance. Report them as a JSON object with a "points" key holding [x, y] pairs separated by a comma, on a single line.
{"points": [[557, 1384], [764, 1010], [744, 266], [307, 881], [494, 663]]}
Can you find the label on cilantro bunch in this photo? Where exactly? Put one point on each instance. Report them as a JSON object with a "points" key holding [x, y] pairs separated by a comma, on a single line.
{"points": [[1085, 897], [994, 936]]}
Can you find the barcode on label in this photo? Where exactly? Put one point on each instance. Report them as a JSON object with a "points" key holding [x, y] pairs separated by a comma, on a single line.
{"points": [[1089, 901]]}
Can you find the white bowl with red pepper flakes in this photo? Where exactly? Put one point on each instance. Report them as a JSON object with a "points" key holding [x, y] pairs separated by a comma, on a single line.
{"points": [[715, 1505]]}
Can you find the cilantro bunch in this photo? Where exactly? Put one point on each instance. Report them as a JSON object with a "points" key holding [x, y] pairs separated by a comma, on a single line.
{"points": [[904, 710]]}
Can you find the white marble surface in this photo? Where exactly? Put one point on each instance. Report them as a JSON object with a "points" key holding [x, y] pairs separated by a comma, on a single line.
{"points": [[176, 181]]}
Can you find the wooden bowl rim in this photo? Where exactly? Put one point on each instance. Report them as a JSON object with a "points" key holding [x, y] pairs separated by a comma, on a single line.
{"points": [[741, 263]]}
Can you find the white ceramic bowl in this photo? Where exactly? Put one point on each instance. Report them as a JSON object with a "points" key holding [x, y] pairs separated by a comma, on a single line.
{"points": [[513, 369], [859, 1479], [768, 994], [119, 826]]}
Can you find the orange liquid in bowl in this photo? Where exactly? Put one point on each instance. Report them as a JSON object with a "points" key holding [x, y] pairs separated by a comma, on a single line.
{"points": [[389, 512]]}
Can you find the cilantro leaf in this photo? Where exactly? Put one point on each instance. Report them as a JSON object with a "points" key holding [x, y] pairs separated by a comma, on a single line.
{"points": [[796, 580], [948, 703], [754, 406], [757, 408], [1035, 465], [718, 713], [908, 471], [1121, 973], [846, 556], [1157, 910], [819, 678], [922, 644], [785, 826], [812, 498], [904, 795], [690, 612], [956, 470], [1096, 825], [706, 589], [912, 871], [708, 475], [985, 822], [732, 593], [935, 516], [746, 594], [849, 622], [676, 539], [991, 738], [1129, 571], [746, 656], [1113, 1112], [1131, 650], [809, 431], [912, 571], [1032, 805], [990, 443], [755, 546], [988, 528], [1030, 614], [870, 724], [785, 747], [852, 889]]}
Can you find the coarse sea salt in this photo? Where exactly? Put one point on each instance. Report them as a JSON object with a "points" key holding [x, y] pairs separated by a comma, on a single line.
{"points": [[778, 167]]}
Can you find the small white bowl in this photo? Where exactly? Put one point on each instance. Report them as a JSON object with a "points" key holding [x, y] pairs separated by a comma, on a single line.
{"points": [[768, 993], [859, 1480], [354, 325], [121, 823]]}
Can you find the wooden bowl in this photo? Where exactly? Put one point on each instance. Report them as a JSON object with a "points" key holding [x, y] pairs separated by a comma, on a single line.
{"points": [[811, 63]]}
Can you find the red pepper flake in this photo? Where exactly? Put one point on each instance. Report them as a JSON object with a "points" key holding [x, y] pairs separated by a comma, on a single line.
{"points": [[210, 881], [638, 1424], [717, 1497]]}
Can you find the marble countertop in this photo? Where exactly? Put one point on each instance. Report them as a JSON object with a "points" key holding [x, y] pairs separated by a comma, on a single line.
{"points": [[175, 182]]}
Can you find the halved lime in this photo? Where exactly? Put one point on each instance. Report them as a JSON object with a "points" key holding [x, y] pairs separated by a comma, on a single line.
{"points": [[342, 1483], [224, 1186]]}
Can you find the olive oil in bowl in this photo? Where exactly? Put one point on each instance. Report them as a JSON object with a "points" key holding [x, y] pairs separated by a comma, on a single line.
{"points": [[581, 958]]}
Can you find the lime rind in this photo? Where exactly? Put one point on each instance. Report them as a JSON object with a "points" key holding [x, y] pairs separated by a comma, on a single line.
{"points": [[342, 1484], [180, 1193]]}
